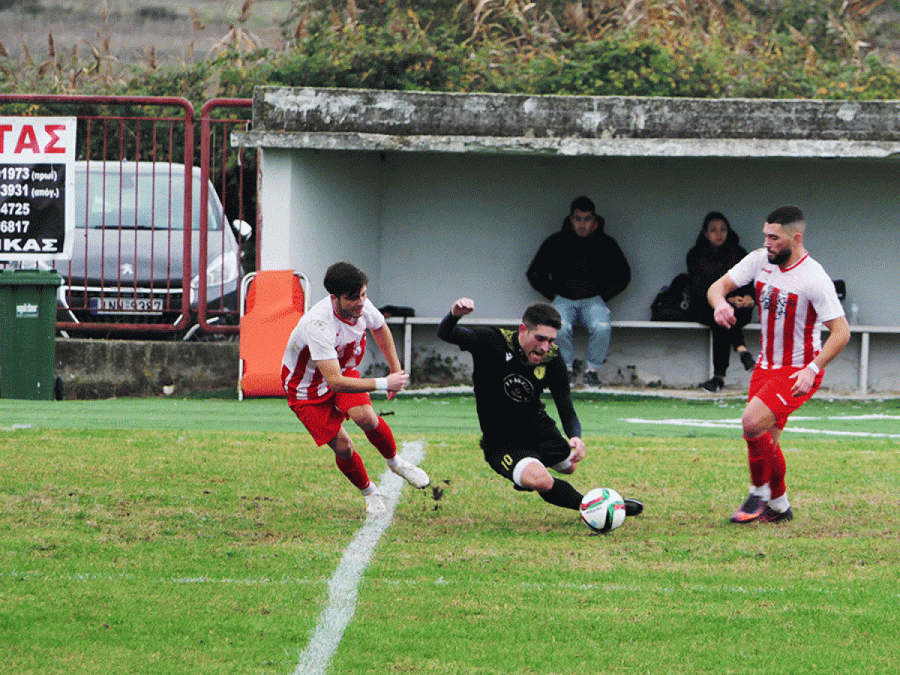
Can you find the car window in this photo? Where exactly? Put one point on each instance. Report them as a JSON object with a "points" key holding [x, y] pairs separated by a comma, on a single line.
{"points": [[130, 200]]}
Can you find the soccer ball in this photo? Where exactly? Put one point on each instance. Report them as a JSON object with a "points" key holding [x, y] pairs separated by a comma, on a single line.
{"points": [[602, 509]]}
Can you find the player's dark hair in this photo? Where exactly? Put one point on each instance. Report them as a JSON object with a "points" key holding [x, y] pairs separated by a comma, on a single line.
{"points": [[344, 279], [581, 204], [542, 314], [785, 215]]}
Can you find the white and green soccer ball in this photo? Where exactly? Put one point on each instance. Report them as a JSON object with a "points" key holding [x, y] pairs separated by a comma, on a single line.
{"points": [[602, 510]]}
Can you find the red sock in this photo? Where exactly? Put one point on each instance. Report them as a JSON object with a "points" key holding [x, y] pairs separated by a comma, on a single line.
{"points": [[760, 456], [383, 438], [779, 469], [354, 469]]}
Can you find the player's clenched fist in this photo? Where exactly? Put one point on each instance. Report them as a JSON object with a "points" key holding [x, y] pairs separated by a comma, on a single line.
{"points": [[462, 307]]}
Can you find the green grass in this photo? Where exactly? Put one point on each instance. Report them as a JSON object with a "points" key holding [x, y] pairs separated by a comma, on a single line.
{"points": [[175, 536]]}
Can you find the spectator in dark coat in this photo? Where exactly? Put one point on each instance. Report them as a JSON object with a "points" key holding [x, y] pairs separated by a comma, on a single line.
{"points": [[717, 250], [580, 269]]}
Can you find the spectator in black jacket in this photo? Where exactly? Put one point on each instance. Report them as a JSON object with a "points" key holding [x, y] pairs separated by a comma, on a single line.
{"points": [[717, 250], [579, 269]]}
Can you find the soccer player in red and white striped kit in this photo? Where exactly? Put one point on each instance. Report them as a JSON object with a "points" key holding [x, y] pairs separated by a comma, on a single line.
{"points": [[324, 388], [796, 298]]}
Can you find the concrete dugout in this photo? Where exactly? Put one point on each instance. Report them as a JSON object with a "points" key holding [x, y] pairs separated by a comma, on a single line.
{"points": [[440, 195]]}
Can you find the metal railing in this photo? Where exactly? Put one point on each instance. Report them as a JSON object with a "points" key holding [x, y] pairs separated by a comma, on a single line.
{"points": [[137, 266], [216, 162]]}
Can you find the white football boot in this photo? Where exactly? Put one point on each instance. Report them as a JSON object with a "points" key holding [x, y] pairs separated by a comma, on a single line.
{"points": [[410, 473], [374, 503]]}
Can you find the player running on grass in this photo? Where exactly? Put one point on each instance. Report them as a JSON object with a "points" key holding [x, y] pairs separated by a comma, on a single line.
{"points": [[324, 388], [796, 297], [511, 369]]}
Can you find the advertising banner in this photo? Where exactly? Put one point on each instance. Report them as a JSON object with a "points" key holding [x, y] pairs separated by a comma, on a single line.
{"points": [[37, 157]]}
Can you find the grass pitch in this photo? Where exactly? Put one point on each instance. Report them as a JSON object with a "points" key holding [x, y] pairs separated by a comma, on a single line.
{"points": [[174, 536]]}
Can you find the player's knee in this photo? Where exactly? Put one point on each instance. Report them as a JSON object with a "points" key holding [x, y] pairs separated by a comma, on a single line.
{"points": [[342, 445], [364, 417], [753, 426], [367, 424], [533, 475], [543, 483]]}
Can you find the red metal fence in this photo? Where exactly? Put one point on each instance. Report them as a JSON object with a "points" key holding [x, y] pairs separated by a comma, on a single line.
{"points": [[234, 175], [147, 258]]}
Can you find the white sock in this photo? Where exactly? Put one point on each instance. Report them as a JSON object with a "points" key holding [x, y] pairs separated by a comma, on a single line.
{"points": [[564, 465], [764, 492], [371, 490], [394, 462], [780, 504]]}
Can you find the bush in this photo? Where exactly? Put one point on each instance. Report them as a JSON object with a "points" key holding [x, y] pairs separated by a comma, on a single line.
{"points": [[696, 48], [627, 68]]}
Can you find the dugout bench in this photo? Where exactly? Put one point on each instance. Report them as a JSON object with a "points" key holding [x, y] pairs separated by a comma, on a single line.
{"points": [[865, 333]]}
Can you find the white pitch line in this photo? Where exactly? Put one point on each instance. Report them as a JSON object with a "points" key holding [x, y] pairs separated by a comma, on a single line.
{"points": [[725, 424], [342, 589]]}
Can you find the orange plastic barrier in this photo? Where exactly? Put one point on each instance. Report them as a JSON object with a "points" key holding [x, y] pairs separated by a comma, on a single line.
{"points": [[272, 303]]}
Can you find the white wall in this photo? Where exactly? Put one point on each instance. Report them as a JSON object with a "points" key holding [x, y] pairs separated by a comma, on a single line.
{"points": [[430, 227], [473, 222], [318, 209]]}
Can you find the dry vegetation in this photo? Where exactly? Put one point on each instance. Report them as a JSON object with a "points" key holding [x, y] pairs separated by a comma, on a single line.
{"points": [[138, 31], [706, 48]]}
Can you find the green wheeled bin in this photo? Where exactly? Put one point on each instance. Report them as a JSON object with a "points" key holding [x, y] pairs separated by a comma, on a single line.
{"points": [[28, 334]]}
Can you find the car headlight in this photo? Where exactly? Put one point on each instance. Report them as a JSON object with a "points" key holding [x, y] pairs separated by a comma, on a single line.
{"points": [[222, 271]]}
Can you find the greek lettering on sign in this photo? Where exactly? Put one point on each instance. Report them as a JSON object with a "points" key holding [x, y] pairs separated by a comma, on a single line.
{"points": [[37, 157]]}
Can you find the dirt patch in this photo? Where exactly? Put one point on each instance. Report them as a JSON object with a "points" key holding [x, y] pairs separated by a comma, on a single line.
{"points": [[175, 32]]}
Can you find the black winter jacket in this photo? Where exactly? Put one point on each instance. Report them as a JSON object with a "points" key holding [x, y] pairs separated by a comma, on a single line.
{"points": [[579, 267], [706, 263]]}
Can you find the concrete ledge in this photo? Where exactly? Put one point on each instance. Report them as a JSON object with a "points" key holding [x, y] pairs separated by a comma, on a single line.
{"points": [[437, 113], [572, 147], [92, 369], [414, 121]]}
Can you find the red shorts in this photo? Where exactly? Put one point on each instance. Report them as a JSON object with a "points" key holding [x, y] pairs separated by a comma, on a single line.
{"points": [[773, 388], [324, 416]]}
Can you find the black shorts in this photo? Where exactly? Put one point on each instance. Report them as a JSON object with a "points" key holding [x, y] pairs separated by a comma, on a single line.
{"points": [[544, 442]]}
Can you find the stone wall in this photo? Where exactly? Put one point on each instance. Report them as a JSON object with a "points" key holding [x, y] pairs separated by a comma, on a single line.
{"points": [[92, 369]]}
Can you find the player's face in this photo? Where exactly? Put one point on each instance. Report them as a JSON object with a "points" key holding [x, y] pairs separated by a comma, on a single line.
{"points": [[536, 342], [779, 244], [350, 305], [716, 232], [583, 222]]}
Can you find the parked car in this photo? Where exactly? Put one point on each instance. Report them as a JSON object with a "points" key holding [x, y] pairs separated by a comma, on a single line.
{"points": [[128, 253]]}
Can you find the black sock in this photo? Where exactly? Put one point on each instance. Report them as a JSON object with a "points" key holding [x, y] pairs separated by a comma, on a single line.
{"points": [[562, 494]]}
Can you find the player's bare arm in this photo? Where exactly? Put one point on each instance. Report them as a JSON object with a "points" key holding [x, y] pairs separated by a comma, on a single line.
{"points": [[331, 371], [723, 312], [837, 339]]}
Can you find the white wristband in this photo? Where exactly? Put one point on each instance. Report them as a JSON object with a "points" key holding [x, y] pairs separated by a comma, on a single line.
{"points": [[381, 384], [813, 367]]}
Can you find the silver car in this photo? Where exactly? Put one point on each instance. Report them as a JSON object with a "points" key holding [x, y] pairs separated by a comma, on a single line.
{"points": [[128, 254]]}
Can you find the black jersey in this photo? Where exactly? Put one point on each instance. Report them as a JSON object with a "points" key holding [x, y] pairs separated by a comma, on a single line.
{"points": [[507, 386]]}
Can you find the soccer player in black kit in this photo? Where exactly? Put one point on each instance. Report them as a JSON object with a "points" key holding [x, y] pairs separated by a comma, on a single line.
{"points": [[511, 369]]}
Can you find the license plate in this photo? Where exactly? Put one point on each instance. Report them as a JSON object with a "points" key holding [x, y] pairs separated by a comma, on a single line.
{"points": [[132, 305]]}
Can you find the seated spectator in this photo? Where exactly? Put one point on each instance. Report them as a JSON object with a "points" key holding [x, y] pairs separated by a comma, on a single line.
{"points": [[580, 269], [717, 250]]}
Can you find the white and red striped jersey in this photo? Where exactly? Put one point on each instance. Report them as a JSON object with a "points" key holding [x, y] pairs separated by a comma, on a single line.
{"points": [[320, 335], [793, 303]]}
